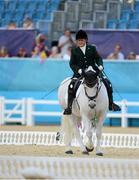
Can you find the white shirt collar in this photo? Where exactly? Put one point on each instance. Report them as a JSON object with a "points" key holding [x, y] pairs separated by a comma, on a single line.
{"points": [[83, 48]]}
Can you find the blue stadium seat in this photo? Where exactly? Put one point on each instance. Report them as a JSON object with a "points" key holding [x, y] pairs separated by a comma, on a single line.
{"points": [[53, 5], [122, 24], [31, 5], [133, 24], [135, 16], [22, 5], [5, 22], [39, 14], [7, 16], [42, 6], [136, 5], [48, 16], [18, 17], [125, 15], [11, 5], [112, 24], [1, 6]]}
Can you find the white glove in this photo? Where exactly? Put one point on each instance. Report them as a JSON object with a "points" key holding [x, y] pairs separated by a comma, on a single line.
{"points": [[80, 71], [100, 68]]}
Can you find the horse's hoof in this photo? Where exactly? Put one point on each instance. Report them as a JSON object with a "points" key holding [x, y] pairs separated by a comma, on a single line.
{"points": [[89, 150], [99, 154], [69, 152], [85, 152]]}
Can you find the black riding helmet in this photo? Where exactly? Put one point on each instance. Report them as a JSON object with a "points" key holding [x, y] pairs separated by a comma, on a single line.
{"points": [[81, 35]]}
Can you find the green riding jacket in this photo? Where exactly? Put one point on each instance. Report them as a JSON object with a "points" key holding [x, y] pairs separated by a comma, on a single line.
{"points": [[79, 60]]}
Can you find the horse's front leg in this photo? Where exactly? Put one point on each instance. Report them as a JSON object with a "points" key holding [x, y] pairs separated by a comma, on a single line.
{"points": [[88, 133], [78, 135], [98, 135]]}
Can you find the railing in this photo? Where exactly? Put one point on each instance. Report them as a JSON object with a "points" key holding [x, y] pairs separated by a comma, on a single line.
{"points": [[25, 109], [35, 167], [49, 139]]}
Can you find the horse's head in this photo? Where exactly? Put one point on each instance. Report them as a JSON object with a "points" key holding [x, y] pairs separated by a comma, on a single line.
{"points": [[91, 77]]}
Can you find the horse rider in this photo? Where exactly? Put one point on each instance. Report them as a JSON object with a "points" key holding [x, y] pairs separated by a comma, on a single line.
{"points": [[83, 56]]}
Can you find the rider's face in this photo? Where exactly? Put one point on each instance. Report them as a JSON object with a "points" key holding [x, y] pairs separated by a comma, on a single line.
{"points": [[81, 42]]}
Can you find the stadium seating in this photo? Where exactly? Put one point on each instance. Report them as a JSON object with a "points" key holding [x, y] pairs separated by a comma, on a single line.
{"points": [[87, 14], [17, 10], [109, 14], [129, 18]]}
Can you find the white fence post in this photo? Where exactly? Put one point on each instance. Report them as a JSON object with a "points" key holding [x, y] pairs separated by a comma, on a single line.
{"points": [[124, 121], [26, 109], [29, 110], [1, 110], [23, 111]]}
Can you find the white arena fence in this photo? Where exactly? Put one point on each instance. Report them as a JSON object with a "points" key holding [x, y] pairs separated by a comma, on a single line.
{"points": [[25, 111], [12, 167], [49, 139]]}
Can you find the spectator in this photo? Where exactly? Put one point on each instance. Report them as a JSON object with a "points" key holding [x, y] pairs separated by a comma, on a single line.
{"points": [[11, 25], [65, 41], [68, 54], [41, 43], [131, 56], [55, 53], [4, 52], [22, 53], [36, 52], [28, 23], [117, 54]]}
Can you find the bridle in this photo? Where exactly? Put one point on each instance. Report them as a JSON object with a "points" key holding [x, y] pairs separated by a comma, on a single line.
{"points": [[98, 84]]}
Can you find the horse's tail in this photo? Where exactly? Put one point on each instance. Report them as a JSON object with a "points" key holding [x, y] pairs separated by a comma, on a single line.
{"points": [[67, 128]]}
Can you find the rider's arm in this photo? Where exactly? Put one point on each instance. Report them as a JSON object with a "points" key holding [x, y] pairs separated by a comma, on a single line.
{"points": [[74, 62], [98, 58]]}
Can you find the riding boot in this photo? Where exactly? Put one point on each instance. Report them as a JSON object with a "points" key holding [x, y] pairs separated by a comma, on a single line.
{"points": [[112, 105], [68, 110], [71, 96]]}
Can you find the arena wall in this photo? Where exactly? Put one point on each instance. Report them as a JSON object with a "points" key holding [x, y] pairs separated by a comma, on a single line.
{"points": [[33, 75], [40, 80]]}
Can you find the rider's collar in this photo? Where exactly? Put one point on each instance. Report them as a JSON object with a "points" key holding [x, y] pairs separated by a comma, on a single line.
{"points": [[83, 48]]}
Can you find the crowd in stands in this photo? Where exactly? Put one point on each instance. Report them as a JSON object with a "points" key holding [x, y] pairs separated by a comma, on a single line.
{"points": [[118, 55], [27, 24], [62, 50]]}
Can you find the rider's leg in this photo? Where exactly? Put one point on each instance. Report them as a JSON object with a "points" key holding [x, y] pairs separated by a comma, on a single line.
{"points": [[71, 96], [112, 105]]}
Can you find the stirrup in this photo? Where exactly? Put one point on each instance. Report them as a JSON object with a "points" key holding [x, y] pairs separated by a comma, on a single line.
{"points": [[67, 111]]}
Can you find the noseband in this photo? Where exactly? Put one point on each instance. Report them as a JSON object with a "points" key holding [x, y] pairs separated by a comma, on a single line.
{"points": [[91, 84], [91, 98]]}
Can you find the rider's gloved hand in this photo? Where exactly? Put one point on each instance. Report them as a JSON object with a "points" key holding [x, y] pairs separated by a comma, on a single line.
{"points": [[100, 68], [80, 71]]}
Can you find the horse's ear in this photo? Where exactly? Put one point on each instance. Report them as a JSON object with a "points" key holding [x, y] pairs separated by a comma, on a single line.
{"points": [[83, 73], [97, 71]]}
